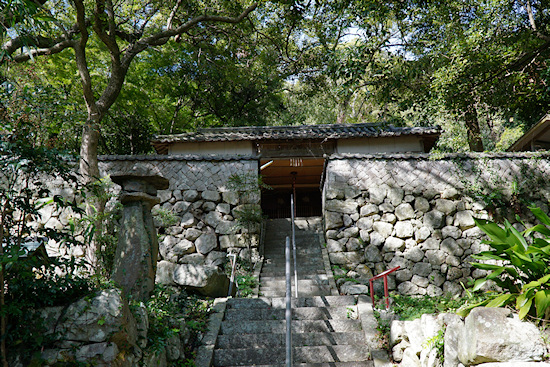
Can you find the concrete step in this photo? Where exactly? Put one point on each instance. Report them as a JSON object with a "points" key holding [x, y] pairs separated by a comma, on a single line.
{"points": [[300, 313], [278, 340], [298, 326], [314, 354], [280, 302]]}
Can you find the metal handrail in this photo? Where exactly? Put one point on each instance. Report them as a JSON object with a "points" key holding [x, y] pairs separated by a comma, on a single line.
{"points": [[233, 270], [294, 243], [288, 312], [383, 275]]}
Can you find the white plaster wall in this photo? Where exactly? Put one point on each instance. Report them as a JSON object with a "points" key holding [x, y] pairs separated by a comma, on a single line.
{"points": [[380, 145], [222, 147]]}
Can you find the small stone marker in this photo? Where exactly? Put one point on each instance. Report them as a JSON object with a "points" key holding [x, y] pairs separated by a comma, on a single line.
{"points": [[137, 251]]}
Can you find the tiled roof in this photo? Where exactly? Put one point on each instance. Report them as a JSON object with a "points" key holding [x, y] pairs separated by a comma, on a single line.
{"points": [[176, 157], [333, 131], [446, 156]]}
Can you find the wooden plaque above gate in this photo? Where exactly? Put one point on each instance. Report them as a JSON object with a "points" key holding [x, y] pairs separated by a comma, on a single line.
{"points": [[295, 148]]}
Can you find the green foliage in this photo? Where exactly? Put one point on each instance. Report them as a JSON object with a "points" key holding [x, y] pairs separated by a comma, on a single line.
{"points": [[246, 284], [437, 342], [164, 218], [101, 226], [410, 308], [383, 328], [519, 264], [167, 309], [249, 214], [30, 279]]}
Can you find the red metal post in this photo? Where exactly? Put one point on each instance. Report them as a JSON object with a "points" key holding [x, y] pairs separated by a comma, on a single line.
{"points": [[383, 275]]}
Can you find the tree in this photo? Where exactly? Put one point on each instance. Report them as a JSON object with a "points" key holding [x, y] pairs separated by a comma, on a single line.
{"points": [[123, 30], [478, 55], [341, 47]]}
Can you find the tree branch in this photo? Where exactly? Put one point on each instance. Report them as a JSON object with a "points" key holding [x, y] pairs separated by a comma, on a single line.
{"points": [[116, 81], [58, 47], [80, 56], [162, 37], [172, 15], [529, 9]]}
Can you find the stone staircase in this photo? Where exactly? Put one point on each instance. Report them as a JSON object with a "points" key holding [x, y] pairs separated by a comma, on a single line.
{"points": [[314, 278], [327, 329]]}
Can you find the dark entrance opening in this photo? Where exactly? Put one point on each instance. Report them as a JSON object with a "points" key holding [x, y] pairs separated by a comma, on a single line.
{"points": [[283, 175], [276, 203]]}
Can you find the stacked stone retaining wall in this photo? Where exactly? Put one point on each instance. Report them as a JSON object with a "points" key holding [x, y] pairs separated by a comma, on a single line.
{"points": [[418, 213], [200, 207]]}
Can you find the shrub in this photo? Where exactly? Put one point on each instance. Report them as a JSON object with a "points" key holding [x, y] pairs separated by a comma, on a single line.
{"points": [[28, 278], [519, 264]]}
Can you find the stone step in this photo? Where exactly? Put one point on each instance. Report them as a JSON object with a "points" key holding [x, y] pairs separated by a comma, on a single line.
{"points": [[313, 354], [307, 254], [309, 260], [320, 278], [277, 244], [300, 263], [275, 282], [282, 287], [331, 364], [281, 272], [280, 302], [302, 238], [273, 273], [302, 268], [299, 326], [279, 340], [301, 292], [300, 313]]}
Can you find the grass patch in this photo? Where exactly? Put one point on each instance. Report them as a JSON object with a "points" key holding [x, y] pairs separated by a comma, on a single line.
{"points": [[410, 308]]}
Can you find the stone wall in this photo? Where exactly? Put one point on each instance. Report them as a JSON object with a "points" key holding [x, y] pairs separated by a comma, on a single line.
{"points": [[417, 212], [200, 207]]}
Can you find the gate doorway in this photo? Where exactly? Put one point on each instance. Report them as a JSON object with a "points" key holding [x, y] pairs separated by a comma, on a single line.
{"points": [[301, 175]]}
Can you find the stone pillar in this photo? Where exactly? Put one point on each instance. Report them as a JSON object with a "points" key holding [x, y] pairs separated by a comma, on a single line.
{"points": [[137, 251]]}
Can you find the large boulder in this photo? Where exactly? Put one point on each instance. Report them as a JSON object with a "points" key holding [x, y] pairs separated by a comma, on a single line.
{"points": [[103, 318], [495, 335], [207, 280]]}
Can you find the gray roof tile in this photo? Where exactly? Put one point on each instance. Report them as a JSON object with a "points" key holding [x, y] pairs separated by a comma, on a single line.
{"points": [[333, 131]]}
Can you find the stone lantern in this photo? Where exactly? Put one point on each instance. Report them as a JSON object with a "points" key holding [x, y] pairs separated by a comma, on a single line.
{"points": [[136, 256]]}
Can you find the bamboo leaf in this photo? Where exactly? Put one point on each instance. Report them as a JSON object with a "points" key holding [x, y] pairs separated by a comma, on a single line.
{"points": [[500, 300], [524, 310], [465, 310], [486, 266], [478, 284], [493, 230], [539, 228], [517, 236], [542, 302], [540, 215]]}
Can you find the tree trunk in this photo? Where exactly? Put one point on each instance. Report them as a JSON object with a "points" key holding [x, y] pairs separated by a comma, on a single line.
{"points": [[89, 171], [3, 312], [342, 111], [472, 128]]}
